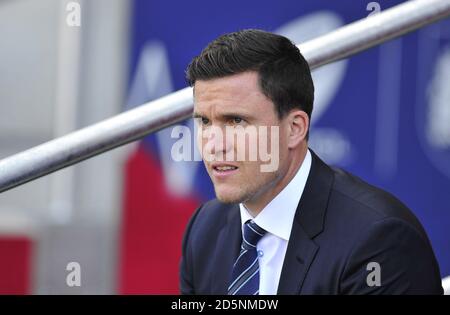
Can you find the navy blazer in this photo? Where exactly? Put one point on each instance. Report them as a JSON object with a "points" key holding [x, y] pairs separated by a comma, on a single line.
{"points": [[341, 225]]}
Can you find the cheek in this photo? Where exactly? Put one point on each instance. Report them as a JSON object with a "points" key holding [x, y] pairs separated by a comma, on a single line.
{"points": [[201, 141], [282, 139], [251, 171]]}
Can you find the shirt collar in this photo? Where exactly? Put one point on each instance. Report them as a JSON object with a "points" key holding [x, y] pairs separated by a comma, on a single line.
{"points": [[277, 217]]}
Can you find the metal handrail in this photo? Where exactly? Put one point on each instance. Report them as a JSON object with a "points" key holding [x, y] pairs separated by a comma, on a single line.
{"points": [[153, 116]]}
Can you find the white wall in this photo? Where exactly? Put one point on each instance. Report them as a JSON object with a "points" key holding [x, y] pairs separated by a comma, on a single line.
{"points": [[72, 214]]}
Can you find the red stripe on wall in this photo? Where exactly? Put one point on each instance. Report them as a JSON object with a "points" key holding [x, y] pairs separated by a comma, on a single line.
{"points": [[15, 262], [152, 229]]}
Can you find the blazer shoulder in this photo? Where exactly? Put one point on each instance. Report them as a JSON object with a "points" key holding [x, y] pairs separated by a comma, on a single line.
{"points": [[210, 215], [368, 202]]}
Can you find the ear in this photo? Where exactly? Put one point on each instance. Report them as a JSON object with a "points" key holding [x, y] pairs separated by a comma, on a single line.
{"points": [[298, 127]]}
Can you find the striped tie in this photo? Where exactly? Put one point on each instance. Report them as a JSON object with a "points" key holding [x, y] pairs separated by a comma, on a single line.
{"points": [[245, 280]]}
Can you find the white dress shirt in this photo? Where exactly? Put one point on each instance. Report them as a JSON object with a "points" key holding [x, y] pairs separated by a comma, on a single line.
{"points": [[277, 218]]}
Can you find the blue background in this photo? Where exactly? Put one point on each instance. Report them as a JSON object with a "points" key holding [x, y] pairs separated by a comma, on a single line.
{"points": [[418, 172]]}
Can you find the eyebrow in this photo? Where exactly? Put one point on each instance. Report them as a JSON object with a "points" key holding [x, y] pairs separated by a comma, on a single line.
{"points": [[224, 116], [197, 115]]}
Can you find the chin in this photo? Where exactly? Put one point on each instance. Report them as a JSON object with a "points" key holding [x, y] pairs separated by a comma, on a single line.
{"points": [[229, 197]]}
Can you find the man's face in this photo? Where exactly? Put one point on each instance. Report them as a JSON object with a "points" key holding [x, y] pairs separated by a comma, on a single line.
{"points": [[237, 101]]}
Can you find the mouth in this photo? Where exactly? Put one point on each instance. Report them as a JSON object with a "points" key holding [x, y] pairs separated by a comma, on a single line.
{"points": [[221, 170]]}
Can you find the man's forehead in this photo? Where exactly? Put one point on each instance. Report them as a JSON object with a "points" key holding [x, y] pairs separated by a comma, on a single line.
{"points": [[240, 84], [221, 109], [237, 95]]}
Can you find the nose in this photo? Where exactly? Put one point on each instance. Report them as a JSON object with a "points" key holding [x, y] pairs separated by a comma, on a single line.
{"points": [[216, 144]]}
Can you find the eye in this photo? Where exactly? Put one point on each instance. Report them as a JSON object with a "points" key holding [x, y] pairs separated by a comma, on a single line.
{"points": [[204, 120], [237, 120]]}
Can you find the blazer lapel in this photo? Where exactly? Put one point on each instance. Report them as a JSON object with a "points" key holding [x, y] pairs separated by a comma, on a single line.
{"points": [[227, 250], [308, 223], [299, 256]]}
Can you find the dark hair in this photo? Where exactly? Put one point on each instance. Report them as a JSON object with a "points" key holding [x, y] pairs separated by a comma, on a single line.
{"points": [[284, 75]]}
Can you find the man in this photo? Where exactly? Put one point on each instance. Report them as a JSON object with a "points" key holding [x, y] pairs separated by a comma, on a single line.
{"points": [[303, 227]]}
